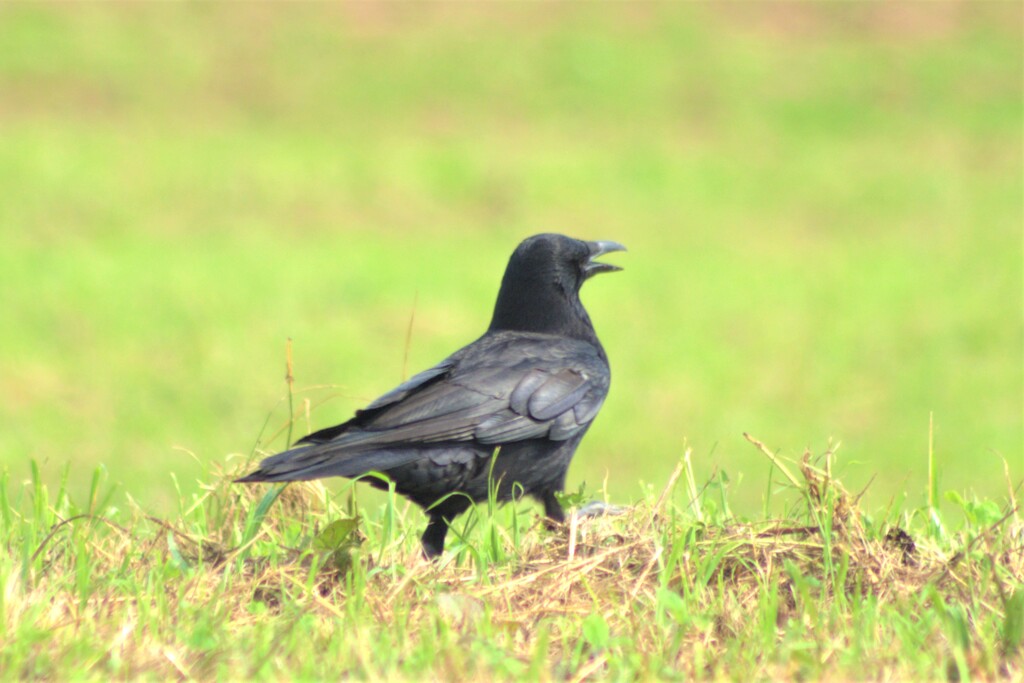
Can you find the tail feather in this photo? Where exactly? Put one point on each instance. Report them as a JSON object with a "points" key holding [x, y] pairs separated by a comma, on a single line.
{"points": [[314, 461]]}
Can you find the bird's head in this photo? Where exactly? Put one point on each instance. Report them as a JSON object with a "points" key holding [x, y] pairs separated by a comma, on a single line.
{"points": [[540, 289]]}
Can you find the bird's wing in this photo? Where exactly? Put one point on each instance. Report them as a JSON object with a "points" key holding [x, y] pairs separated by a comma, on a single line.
{"points": [[556, 404], [414, 383], [411, 384], [491, 405], [505, 392]]}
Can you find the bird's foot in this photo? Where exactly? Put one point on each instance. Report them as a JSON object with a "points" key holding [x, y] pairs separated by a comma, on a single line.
{"points": [[599, 508], [433, 538]]}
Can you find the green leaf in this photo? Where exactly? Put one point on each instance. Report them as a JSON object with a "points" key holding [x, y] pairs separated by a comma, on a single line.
{"points": [[573, 500], [203, 637], [338, 538], [596, 631], [979, 514], [335, 534], [257, 515], [179, 560], [986, 512], [1013, 625], [955, 498], [673, 604]]}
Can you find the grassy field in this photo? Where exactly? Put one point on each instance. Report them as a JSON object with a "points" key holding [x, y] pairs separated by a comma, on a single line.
{"points": [[675, 588], [823, 206]]}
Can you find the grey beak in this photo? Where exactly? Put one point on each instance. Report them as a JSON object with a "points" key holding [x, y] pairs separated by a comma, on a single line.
{"points": [[598, 249]]}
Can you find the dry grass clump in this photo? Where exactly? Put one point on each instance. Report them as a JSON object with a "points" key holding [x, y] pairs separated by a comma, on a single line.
{"points": [[670, 587]]}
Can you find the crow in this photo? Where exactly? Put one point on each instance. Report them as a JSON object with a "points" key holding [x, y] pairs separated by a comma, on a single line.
{"points": [[507, 410]]}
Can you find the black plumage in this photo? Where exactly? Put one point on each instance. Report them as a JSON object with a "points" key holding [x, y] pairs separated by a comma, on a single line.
{"points": [[531, 386]]}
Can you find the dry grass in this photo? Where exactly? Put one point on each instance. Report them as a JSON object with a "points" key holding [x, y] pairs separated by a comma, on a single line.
{"points": [[672, 587]]}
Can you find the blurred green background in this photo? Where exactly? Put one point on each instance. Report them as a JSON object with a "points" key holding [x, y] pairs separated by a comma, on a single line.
{"points": [[823, 205]]}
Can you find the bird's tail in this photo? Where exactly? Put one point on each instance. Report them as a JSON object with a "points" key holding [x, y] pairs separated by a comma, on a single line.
{"points": [[318, 460], [289, 465]]}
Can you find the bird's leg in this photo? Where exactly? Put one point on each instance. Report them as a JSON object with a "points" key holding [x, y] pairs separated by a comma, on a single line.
{"points": [[552, 510], [433, 537]]}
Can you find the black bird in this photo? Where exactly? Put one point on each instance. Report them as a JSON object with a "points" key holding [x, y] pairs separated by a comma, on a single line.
{"points": [[529, 388]]}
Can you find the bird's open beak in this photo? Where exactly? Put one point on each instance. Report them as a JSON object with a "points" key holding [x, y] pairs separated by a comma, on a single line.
{"points": [[598, 249]]}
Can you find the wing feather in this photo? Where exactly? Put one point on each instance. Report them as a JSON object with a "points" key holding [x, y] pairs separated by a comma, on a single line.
{"points": [[510, 392], [559, 393]]}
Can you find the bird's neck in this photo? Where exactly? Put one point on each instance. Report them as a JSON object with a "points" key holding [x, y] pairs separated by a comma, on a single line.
{"points": [[543, 310]]}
